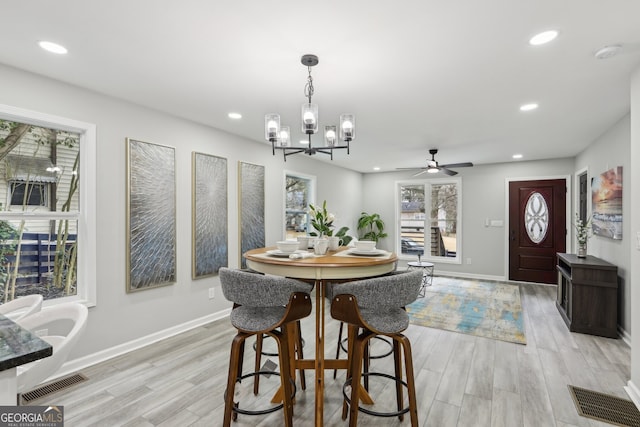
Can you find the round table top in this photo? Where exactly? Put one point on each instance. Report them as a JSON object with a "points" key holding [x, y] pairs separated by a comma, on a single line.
{"points": [[334, 265], [420, 264]]}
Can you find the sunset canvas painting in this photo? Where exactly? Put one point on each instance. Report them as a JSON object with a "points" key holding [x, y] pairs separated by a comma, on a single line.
{"points": [[606, 201]]}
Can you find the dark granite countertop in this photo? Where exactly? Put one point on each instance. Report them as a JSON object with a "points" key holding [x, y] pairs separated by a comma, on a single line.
{"points": [[19, 346]]}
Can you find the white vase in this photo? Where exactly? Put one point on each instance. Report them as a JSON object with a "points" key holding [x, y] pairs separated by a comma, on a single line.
{"points": [[321, 246], [582, 250]]}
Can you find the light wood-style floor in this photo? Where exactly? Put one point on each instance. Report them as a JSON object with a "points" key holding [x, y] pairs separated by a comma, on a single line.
{"points": [[461, 380]]}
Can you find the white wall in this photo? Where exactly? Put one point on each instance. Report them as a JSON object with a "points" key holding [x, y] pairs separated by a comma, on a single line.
{"points": [[119, 317], [483, 196], [608, 151], [634, 257]]}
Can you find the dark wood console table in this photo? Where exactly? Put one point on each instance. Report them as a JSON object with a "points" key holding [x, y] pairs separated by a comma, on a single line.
{"points": [[588, 295]]}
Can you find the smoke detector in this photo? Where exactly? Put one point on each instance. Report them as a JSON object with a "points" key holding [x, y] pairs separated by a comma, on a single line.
{"points": [[608, 51]]}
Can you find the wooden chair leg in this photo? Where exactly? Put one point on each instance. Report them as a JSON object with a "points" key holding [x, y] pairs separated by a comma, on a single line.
{"points": [[241, 357], [234, 360], [356, 375], [256, 379], [411, 384], [284, 354], [300, 353], [352, 333], [397, 362]]}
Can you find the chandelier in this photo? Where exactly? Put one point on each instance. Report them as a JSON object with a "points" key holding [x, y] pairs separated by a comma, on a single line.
{"points": [[334, 138]]}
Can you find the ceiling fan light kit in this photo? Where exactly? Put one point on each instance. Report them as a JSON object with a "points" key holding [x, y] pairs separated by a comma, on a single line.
{"points": [[335, 137], [434, 167]]}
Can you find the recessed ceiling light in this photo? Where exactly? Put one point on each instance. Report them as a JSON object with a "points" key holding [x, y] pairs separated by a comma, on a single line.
{"points": [[543, 37], [376, 168], [53, 47], [528, 107], [235, 115], [517, 156]]}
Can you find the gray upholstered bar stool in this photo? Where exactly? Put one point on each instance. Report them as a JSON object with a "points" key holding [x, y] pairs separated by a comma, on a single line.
{"points": [[261, 305], [377, 307]]}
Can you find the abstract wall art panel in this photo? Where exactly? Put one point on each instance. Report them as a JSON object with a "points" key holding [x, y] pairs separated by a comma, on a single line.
{"points": [[251, 199], [209, 215], [151, 215]]}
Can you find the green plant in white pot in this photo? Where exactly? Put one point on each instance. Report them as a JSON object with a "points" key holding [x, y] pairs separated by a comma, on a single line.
{"points": [[371, 227], [322, 222]]}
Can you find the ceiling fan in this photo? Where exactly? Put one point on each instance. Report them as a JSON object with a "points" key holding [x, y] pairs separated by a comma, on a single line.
{"points": [[434, 167]]}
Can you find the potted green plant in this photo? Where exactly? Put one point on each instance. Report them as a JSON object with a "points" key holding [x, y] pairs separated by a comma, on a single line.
{"points": [[342, 234], [322, 222], [371, 227]]}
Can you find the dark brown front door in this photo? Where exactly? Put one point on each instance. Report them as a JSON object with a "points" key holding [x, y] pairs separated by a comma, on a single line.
{"points": [[537, 229]]}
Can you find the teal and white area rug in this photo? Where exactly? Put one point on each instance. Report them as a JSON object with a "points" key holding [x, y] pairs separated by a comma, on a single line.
{"points": [[474, 307]]}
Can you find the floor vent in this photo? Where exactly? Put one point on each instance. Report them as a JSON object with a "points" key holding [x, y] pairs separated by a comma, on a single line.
{"points": [[57, 385], [604, 407]]}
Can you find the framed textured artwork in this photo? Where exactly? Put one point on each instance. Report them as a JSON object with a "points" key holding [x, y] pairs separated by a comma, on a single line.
{"points": [[606, 202], [151, 215], [209, 215], [251, 209]]}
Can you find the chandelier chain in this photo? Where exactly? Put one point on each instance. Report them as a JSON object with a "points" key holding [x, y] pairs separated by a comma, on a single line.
{"points": [[308, 88]]}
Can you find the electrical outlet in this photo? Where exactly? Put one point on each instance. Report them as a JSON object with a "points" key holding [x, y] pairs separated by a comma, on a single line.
{"points": [[468, 261], [212, 293], [42, 332]]}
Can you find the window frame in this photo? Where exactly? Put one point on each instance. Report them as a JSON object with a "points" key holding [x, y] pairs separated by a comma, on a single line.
{"points": [[310, 199], [45, 193], [86, 215], [428, 183]]}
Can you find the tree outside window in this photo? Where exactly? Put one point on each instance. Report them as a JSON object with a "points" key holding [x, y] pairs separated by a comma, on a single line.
{"points": [[39, 182], [429, 215], [298, 193]]}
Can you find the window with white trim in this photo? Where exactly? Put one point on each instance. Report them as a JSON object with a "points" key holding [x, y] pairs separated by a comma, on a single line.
{"points": [[298, 195], [47, 225], [429, 219]]}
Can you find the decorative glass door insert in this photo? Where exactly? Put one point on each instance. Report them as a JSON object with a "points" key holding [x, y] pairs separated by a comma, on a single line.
{"points": [[536, 217]]}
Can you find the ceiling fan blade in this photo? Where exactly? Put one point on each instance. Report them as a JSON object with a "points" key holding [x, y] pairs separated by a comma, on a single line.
{"points": [[448, 171], [410, 169], [420, 173], [457, 165]]}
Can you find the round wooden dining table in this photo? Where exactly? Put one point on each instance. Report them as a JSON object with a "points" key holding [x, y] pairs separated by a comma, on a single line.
{"points": [[338, 265]]}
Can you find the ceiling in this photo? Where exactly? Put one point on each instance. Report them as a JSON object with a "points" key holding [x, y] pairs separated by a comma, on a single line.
{"points": [[418, 74]]}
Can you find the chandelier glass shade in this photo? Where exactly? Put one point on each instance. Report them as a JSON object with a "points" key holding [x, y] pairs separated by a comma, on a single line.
{"points": [[335, 137]]}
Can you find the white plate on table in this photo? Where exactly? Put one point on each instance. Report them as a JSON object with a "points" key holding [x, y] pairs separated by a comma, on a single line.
{"points": [[279, 253], [375, 252]]}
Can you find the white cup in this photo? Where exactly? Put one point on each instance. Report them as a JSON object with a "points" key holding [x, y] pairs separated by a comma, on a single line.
{"points": [[303, 242], [334, 243], [321, 246], [366, 245]]}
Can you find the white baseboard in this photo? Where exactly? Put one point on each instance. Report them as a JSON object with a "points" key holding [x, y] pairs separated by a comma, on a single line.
{"points": [[633, 393], [624, 336], [469, 276], [76, 365]]}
